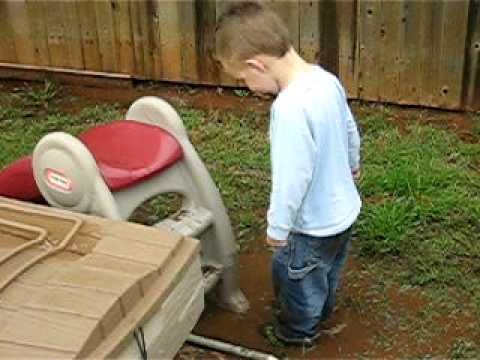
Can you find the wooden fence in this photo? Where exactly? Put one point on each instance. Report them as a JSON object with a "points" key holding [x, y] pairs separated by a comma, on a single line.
{"points": [[420, 52]]}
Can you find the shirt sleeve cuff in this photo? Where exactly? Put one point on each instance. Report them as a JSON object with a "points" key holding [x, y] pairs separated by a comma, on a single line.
{"points": [[355, 163], [277, 233]]}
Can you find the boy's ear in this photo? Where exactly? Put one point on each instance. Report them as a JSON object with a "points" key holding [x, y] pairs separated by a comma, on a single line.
{"points": [[256, 65]]}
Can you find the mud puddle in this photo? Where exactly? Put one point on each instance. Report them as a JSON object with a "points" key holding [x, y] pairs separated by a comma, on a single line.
{"points": [[246, 330]]}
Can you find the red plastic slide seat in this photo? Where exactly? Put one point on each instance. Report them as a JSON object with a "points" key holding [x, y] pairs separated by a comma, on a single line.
{"points": [[17, 181], [126, 153]]}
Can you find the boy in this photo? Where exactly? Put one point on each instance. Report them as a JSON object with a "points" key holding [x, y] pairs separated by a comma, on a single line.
{"points": [[315, 158]]}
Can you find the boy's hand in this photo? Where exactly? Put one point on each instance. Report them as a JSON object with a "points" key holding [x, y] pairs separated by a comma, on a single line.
{"points": [[357, 174], [275, 243]]}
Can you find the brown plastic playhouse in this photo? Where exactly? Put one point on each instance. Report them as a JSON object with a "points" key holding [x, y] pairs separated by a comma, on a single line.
{"points": [[75, 286]]}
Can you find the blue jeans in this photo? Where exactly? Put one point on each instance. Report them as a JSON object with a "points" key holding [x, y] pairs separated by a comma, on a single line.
{"points": [[306, 275]]}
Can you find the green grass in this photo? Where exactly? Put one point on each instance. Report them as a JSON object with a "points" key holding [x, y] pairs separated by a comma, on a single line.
{"points": [[464, 349], [476, 124], [421, 189], [422, 203], [21, 129], [235, 150], [241, 92]]}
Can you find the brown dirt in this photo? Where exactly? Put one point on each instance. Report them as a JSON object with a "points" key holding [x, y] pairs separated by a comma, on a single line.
{"points": [[214, 98], [246, 329], [208, 98], [381, 320], [461, 123]]}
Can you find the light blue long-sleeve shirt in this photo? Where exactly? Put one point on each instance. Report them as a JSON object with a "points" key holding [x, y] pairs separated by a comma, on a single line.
{"points": [[315, 146]]}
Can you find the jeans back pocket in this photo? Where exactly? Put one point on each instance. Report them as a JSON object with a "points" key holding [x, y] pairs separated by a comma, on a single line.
{"points": [[301, 258]]}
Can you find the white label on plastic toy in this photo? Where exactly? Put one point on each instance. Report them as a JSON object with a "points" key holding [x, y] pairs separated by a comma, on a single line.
{"points": [[58, 181]]}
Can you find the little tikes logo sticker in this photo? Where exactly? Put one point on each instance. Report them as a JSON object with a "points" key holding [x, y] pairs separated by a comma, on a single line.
{"points": [[58, 181]]}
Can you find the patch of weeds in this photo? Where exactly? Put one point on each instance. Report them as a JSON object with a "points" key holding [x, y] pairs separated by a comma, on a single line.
{"points": [[268, 332], [11, 109], [241, 92], [157, 208], [9, 114], [475, 293], [386, 228], [190, 90], [19, 135], [192, 118], [236, 154], [476, 124], [98, 114], [39, 97], [464, 349], [371, 117]]}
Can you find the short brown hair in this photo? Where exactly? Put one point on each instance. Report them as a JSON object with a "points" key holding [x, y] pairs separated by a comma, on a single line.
{"points": [[249, 28]]}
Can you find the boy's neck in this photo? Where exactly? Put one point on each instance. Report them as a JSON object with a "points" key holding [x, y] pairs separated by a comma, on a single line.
{"points": [[287, 68]]}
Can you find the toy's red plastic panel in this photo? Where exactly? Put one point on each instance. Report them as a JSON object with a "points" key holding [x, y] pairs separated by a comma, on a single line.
{"points": [[17, 181], [129, 151], [126, 153]]}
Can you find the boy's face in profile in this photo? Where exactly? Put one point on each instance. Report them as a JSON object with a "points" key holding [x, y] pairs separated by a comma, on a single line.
{"points": [[255, 75]]}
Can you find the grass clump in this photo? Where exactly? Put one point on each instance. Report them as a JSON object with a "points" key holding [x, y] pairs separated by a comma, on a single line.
{"points": [[464, 349], [422, 204], [29, 113]]}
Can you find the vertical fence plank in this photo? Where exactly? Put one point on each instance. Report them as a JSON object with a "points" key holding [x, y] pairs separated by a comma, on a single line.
{"points": [[309, 38], [36, 15], [329, 36], [472, 70], [106, 36], [138, 41], [437, 86], [142, 17], [392, 40], [73, 35], [188, 41], [124, 37], [147, 18], [170, 40], [64, 40], [401, 58], [452, 53], [156, 40], [205, 41], [21, 31], [56, 40], [7, 44], [224, 78], [89, 36], [369, 57], [426, 57], [410, 62], [432, 66], [346, 17]]}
